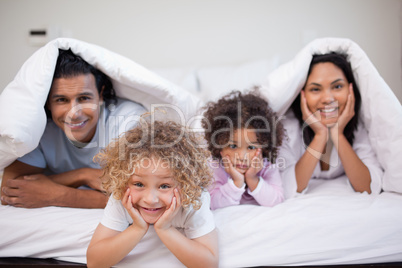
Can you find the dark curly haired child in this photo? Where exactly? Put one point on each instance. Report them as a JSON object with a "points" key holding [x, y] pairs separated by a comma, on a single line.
{"points": [[244, 135]]}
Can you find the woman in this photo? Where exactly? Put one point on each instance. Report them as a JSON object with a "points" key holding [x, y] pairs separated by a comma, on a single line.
{"points": [[329, 140]]}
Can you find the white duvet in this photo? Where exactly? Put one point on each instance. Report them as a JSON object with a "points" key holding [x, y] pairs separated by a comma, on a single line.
{"points": [[23, 119], [330, 225]]}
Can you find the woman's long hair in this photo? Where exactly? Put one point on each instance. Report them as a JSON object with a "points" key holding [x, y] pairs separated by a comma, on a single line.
{"points": [[340, 60]]}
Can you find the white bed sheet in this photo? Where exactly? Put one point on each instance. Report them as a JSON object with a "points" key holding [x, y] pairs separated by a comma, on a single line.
{"points": [[331, 225]]}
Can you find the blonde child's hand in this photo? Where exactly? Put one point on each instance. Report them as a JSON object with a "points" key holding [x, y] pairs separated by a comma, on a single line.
{"points": [[134, 213], [236, 176], [346, 115], [165, 221]]}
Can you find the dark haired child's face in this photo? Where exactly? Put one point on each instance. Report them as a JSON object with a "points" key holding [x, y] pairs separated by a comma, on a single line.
{"points": [[151, 189], [74, 105], [326, 92], [241, 149]]}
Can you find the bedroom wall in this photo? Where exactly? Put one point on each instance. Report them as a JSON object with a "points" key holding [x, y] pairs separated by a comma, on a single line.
{"points": [[186, 33]]}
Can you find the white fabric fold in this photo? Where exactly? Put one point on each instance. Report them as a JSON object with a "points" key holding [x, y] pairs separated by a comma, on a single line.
{"points": [[381, 111], [23, 119]]}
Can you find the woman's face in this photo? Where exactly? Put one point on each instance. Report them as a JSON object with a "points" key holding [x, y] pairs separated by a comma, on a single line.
{"points": [[326, 92]]}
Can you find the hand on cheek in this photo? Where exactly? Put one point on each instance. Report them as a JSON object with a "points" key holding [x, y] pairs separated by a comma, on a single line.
{"points": [[255, 166], [312, 120], [165, 221], [134, 213], [236, 176], [347, 114]]}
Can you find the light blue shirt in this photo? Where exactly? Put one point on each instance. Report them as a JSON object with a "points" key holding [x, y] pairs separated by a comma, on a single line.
{"points": [[58, 154]]}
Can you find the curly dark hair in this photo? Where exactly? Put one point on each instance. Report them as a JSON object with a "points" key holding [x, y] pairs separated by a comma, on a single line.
{"points": [[238, 110], [177, 147]]}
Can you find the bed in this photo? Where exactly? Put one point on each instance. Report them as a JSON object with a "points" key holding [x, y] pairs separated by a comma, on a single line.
{"points": [[331, 225]]}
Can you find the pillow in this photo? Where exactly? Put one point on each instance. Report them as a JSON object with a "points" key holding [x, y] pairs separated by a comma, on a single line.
{"points": [[220, 80], [185, 78]]}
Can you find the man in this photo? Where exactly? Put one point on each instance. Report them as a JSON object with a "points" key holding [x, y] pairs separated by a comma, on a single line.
{"points": [[84, 115]]}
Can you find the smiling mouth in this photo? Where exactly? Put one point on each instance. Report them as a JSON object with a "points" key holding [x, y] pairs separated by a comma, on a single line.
{"points": [[329, 110], [151, 209], [77, 125]]}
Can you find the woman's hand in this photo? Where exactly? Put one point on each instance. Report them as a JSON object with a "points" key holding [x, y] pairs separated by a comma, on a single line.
{"points": [[312, 120], [134, 213], [165, 221], [345, 117], [236, 176]]}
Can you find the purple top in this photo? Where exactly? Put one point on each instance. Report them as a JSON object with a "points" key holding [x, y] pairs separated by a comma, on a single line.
{"points": [[224, 192]]}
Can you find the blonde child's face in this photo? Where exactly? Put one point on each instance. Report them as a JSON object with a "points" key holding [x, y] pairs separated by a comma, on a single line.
{"points": [[151, 189], [242, 147]]}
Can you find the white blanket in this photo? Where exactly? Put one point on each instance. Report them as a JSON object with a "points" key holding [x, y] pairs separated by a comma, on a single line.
{"points": [[381, 110], [23, 119], [330, 225]]}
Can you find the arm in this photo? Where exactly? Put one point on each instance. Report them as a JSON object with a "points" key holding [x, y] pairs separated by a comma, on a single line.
{"points": [[224, 192], [79, 177], [198, 252], [269, 191], [256, 165], [108, 247], [25, 186], [305, 166], [356, 171]]}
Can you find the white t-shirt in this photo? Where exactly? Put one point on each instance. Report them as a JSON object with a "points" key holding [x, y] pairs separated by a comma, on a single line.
{"points": [[294, 148], [56, 152], [192, 223]]}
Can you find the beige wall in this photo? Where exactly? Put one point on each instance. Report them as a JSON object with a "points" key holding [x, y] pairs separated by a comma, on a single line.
{"points": [[184, 33]]}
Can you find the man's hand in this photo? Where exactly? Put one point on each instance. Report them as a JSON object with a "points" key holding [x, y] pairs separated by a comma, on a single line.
{"points": [[30, 191]]}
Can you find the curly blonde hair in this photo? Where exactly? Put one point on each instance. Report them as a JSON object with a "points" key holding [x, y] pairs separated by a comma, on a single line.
{"points": [[162, 140]]}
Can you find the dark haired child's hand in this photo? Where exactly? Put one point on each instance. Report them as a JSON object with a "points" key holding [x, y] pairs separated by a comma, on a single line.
{"points": [[345, 117], [134, 213], [236, 176], [255, 166], [165, 221]]}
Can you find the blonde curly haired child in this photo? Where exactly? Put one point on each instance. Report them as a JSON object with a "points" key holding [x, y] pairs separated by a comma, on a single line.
{"points": [[157, 174]]}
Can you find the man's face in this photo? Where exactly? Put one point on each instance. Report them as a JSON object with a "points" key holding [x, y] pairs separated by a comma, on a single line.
{"points": [[74, 105]]}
